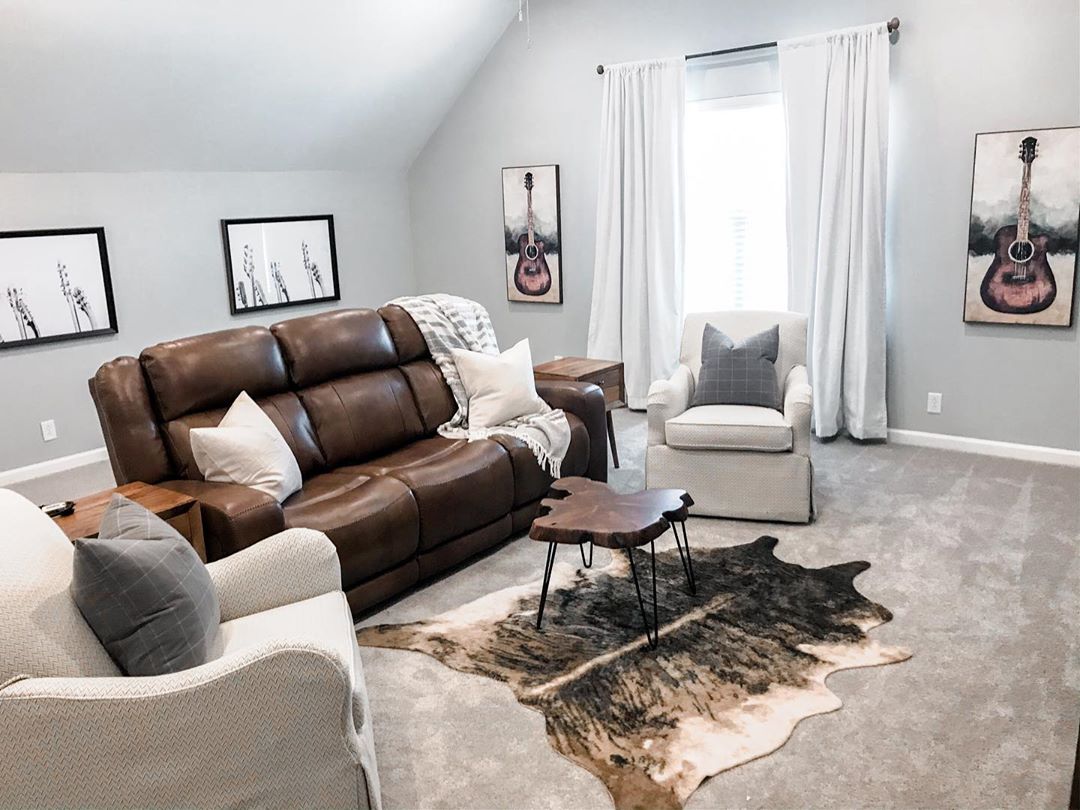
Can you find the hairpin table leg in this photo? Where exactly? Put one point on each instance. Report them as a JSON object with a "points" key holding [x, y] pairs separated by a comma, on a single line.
{"points": [[547, 578], [687, 563], [653, 636], [581, 548]]}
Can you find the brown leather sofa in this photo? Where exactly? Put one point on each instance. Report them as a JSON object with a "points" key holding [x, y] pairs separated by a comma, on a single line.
{"points": [[358, 398]]}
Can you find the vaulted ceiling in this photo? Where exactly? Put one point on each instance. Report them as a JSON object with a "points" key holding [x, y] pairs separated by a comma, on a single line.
{"points": [[127, 85]]}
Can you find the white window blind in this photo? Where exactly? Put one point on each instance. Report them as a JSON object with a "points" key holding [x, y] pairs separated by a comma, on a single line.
{"points": [[736, 229]]}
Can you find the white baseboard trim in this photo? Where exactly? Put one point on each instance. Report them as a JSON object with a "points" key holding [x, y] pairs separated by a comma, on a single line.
{"points": [[986, 447], [53, 466]]}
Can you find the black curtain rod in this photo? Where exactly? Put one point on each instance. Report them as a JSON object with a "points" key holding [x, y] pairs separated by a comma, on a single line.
{"points": [[893, 25]]}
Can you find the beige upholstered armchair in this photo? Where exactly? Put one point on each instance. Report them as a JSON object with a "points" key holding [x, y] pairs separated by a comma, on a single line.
{"points": [[735, 460], [278, 718]]}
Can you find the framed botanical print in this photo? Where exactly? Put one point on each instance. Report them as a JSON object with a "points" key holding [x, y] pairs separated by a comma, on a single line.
{"points": [[55, 286], [532, 234], [274, 262], [1024, 228]]}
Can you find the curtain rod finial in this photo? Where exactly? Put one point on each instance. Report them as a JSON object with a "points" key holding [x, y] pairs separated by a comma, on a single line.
{"points": [[600, 70], [894, 24]]}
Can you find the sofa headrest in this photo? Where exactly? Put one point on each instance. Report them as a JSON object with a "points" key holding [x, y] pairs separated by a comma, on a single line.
{"points": [[334, 344], [406, 334], [42, 632], [210, 371]]}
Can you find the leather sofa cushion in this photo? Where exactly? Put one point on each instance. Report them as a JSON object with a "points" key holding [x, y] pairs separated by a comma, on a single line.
{"points": [[729, 427], [459, 486], [406, 335], [334, 344], [531, 482], [284, 410], [359, 417], [373, 522], [433, 396], [209, 371]]}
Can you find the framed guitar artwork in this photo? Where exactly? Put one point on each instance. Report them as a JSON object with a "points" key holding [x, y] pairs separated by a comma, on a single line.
{"points": [[532, 234], [1024, 230]]}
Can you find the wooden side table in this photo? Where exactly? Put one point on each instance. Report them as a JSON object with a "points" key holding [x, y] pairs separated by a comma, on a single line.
{"points": [[608, 374], [180, 511]]}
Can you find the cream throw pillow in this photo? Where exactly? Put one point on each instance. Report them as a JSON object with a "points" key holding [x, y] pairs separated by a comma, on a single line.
{"points": [[245, 448], [500, 387]]}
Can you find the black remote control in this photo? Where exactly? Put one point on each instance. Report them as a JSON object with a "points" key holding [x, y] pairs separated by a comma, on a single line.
{"points": [[59, 509]]}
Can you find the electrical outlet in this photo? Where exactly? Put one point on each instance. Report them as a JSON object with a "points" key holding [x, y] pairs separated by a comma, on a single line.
{"points": [[933, 403], [48, 430]]}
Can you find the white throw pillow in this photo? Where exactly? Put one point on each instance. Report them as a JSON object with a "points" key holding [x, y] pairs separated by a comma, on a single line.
{"points": [[245, 448], [500, 387]]}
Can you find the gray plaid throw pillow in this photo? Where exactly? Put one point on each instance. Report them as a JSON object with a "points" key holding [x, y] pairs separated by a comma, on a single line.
{"points": [[738, 374], [144, 592]]}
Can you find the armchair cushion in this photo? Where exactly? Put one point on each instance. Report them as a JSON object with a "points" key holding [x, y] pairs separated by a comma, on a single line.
{"points": [[729, 427]]}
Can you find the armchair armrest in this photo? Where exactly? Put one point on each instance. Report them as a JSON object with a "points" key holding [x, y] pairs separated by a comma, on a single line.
{"points": [[667, 399], [291, 566], [798, 404], [234, 516], [586, 402], [210, 736]]}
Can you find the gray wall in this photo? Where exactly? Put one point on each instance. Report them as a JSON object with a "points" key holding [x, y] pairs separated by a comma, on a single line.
{"points": [[168, 272], [952, 77]]}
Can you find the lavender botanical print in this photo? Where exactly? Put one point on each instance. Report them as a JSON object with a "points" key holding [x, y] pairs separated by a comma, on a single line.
{"points": [[738, 666]]}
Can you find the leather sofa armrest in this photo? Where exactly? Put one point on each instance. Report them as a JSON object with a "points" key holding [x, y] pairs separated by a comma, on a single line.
{"points": [[233, 516], [586, 402], [798, 403]]}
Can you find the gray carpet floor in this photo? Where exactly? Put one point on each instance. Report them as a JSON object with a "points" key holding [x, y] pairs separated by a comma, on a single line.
{"points": [[976, 556]]}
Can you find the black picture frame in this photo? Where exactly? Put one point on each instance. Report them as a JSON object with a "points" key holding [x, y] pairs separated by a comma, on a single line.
{"points": [[12, 294], [510, 205], [235, 288], [969, 317]]}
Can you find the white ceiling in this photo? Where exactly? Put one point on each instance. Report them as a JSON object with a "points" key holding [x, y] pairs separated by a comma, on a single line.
{"points": [[125, 85]]}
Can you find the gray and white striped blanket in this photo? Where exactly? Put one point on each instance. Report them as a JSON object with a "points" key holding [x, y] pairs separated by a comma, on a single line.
{"points": [[449, 322]]}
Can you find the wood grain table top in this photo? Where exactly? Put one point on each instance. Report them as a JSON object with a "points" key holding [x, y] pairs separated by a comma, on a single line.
{"points": [[586, 511], [574, 368], [86, 519]]}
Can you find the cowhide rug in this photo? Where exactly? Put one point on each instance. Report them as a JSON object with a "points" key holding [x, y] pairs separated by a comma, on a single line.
{"points": [[738, 666]]}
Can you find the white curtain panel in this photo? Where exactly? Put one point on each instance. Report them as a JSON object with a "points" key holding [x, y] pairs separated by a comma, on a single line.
{"points": [[835, 88], [637, 302]]}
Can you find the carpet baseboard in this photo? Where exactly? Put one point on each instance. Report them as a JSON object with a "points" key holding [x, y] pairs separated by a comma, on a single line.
{"points": [[987, 447], [53, 466]]}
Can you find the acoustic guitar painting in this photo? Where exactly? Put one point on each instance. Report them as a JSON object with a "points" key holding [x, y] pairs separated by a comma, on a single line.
{"points": [[532, 234], [531, 276], [1022, 242], [1020, 279]]}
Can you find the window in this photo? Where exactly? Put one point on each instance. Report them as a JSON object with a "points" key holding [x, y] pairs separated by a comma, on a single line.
{"points": [[736, 189]]}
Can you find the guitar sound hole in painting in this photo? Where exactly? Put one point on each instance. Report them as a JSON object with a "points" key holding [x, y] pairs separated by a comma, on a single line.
{"points": [[1021, 251]]}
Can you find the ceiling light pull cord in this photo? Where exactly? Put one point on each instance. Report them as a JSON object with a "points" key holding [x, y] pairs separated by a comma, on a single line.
{"points": [[523, 13]]}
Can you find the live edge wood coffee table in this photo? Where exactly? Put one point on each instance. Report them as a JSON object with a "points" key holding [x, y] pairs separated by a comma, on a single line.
{"points": [[580, 511]]}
